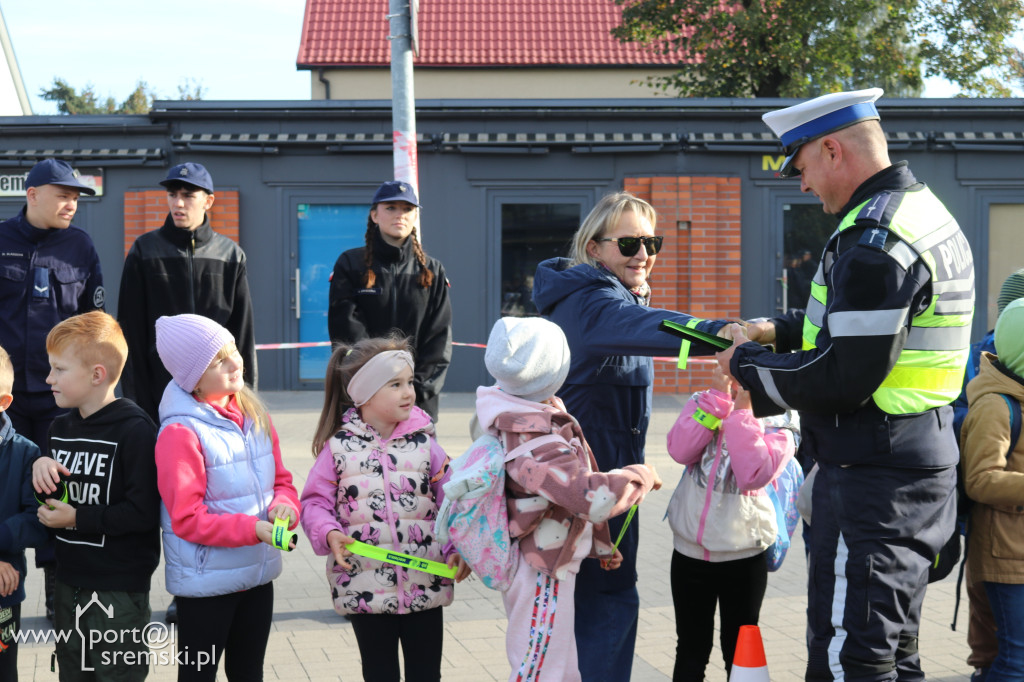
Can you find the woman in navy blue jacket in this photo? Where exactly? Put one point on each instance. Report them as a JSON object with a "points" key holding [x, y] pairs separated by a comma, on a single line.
{"points": [[599, 297]]}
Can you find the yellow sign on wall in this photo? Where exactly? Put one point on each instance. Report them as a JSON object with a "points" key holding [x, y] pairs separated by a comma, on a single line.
{"points": [[771, 162]]}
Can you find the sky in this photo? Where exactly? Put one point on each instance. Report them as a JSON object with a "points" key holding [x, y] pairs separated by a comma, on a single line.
{"points": [[235, 49]]}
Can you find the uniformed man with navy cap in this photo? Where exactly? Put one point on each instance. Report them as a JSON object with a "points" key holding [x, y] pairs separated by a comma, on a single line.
{"points": [[51, 271], [872, 365]]}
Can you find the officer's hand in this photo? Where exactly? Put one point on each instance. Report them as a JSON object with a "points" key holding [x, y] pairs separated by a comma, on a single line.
{"points": [[761, 331], [725, 357]]}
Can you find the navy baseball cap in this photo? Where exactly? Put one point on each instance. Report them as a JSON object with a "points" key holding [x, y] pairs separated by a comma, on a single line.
{"points": [[191, 174], [56, 172], [394, 190]]}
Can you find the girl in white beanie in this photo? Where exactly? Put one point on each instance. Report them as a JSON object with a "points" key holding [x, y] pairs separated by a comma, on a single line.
{"points": [[223, 484], [559, 502]]}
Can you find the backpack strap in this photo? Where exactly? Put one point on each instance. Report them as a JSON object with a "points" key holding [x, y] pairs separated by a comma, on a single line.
{"points": [[1015, 420], [529, 445], [1015, 425]]}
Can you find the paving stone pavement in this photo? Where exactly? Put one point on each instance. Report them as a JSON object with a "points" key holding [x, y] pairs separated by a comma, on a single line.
{"points": [[309, 641]]}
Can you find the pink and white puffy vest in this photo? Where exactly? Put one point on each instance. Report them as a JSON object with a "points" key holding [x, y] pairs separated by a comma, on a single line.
{"points": [[385, 499]]}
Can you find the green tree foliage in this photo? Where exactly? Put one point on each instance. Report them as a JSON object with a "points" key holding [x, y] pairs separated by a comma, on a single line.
{"points": [[140, 101], [70, 101], [803, 48], [190, 89]]}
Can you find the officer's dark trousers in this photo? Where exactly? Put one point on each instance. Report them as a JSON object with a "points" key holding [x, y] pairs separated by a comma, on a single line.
{"points": [[875, 532]]}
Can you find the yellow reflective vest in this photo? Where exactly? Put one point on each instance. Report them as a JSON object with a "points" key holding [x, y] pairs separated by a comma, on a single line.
{"points": [[909, 225]]}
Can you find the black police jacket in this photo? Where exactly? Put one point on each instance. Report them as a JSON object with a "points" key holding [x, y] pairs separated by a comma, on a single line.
{"points": [[46, 276], [171, 271], [396, 301]]}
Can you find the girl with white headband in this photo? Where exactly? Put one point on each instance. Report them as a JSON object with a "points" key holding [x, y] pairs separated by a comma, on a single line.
{"points": [[377, 479]]}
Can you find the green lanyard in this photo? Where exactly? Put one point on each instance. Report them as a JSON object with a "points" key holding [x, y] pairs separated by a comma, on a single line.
{"points": [[392, 557], [625, 525]]}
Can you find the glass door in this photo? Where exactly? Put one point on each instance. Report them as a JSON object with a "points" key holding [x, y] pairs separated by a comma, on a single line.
{"points": [[531, 233], [325, 231], [805, 231]]}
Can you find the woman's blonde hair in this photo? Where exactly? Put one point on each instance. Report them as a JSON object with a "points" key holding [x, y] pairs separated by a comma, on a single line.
{"points": [[603, 218], [249, 403], [344, 363]]}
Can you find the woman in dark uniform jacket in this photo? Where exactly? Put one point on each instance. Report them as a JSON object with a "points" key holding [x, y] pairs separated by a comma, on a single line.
{"points": [[392, 284]]}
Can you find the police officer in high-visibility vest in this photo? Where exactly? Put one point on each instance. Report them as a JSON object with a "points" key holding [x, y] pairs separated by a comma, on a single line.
{"points": [[872, 365]]}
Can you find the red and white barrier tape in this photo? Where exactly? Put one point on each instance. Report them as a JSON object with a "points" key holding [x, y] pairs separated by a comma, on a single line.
{"points": [[325, 344]]}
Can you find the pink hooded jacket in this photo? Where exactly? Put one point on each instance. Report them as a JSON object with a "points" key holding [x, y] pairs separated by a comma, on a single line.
{"points": [[556, 490], [729, 469]]}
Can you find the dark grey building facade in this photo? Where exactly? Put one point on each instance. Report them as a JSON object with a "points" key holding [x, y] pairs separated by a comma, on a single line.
{"points": [[503, 185]]}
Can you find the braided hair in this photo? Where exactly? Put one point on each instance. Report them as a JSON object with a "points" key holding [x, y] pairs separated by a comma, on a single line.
{"points": [[370, 277], [345, 361]]}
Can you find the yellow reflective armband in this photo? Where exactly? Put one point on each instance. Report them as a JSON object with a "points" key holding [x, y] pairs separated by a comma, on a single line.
{"points": [[706, 420]]}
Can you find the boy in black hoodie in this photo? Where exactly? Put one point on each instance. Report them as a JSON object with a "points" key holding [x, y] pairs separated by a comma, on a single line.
{"points": [[108, 543], [19, 527]]}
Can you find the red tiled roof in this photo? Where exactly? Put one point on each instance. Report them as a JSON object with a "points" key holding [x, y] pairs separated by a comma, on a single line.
{"points": [[472, 33]]}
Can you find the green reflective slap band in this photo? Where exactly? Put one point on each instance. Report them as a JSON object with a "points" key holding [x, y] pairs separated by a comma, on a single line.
{"points": [[684, 352], [625, 525], [392, 557], [282, 537], [706, 420], [60, 494], [688, 332]]}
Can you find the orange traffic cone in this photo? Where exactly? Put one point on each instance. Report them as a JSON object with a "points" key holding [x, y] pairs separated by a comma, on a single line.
{"points": [[749, 664]]}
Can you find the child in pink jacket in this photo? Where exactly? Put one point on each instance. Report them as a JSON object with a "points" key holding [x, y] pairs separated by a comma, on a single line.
{"points": [[222, 483], [722, 519], [558, 501], [378, 479]]}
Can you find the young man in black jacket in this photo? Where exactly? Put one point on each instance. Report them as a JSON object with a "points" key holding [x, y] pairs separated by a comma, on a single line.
{"points": [[181, 267]]}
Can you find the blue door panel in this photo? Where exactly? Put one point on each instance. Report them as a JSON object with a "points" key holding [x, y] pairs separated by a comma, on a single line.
{"points": [[325, 231]]}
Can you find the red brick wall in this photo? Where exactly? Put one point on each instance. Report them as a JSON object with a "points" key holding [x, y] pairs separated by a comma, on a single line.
{"points": [[698, 270], [145, 210]]}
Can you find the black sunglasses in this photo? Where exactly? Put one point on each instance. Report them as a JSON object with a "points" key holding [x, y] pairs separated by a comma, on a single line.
{"points": [[628, 246]]}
